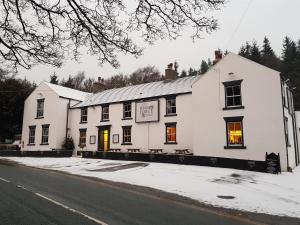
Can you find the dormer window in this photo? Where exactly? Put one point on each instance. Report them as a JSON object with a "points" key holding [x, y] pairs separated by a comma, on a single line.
{"points": [[40, 108], [233, 96], [83, 117]]}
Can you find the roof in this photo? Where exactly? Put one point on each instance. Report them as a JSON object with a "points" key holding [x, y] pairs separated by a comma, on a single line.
{"points": [[141, 91], [68, 92]]}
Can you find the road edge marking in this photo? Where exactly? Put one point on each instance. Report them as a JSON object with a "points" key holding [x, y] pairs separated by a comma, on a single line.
{"points": [[7, 181], [71, 209]]}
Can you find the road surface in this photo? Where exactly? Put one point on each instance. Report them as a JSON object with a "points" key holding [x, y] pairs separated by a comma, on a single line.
{"points": [[34, 196]]}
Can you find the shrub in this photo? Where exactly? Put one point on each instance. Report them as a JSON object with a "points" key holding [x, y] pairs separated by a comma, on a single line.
{"points": [[68, 144]]}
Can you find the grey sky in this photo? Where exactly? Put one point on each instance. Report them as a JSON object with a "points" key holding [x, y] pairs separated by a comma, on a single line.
{"points": [[272, 18]]}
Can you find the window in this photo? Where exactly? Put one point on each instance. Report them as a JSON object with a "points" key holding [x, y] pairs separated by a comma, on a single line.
{"points": [[286, 131], [171, 105], [83, 117], [283, 94], [289, 100], [126, 135], [31, 135], [233, 97], [127, 110], [40, 108], [105, 113], [82, 137], [45, 134], [234, 132], [170, 133]]}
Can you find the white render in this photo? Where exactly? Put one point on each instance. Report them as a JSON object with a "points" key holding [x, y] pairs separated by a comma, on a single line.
{"points": [[200, 126]]}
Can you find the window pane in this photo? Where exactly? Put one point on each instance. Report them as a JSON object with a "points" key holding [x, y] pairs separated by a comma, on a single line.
{"points": [[229, 91], [237, 100], [235, 136], [229, 101], [237, 90]]}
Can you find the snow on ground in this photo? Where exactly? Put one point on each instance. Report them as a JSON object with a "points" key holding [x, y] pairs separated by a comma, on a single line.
{"points": [[246, 190]]}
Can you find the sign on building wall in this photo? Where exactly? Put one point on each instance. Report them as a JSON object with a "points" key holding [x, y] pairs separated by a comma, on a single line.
{"points": [[147, 111]]}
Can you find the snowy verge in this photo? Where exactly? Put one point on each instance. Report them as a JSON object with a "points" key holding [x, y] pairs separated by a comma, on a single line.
{"points": [[228, 188]]}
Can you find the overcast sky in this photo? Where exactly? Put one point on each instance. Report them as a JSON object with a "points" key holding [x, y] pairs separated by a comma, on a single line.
{"points": [[239, 21]]}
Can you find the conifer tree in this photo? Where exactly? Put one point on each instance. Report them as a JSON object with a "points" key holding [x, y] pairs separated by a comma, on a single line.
{"points": [[268, 57], [204, 67], [255, 52]]}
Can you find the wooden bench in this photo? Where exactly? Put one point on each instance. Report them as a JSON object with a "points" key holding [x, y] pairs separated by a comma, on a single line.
{"points": [[133, 150], [155, 150], [182, 151], [114, 150]]}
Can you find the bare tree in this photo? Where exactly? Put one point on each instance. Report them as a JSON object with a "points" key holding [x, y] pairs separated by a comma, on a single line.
{"points": [[43, 31], [145, 75]]}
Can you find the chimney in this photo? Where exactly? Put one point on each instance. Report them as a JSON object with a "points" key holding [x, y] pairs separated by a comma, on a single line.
{"points": [[218, 56], [170, 73], [99, 85]]}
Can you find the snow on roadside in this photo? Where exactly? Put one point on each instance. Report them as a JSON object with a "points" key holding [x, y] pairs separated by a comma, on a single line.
{"points": [[252, 191]]}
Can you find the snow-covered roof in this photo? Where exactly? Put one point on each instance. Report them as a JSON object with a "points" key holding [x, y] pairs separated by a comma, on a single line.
{"points": [[141, 91], [68, 92]]}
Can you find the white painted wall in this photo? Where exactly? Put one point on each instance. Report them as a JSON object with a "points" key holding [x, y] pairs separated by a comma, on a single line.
{"points": [[55, 113], [263, 115], [144, 135]]}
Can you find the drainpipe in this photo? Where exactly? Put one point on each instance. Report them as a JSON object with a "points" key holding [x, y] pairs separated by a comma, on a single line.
{"points": [[286, 148], [67, 123]]}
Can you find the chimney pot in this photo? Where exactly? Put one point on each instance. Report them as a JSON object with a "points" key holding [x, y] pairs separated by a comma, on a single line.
{"points": [[170, 73]]}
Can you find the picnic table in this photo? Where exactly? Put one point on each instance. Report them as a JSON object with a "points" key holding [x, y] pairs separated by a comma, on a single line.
{"points": [[114, 150], [155, 150], [133, 150], [182, 151]]}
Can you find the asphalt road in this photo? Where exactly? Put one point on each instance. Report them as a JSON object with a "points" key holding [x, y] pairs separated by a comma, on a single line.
{"points": [[39, 197]]}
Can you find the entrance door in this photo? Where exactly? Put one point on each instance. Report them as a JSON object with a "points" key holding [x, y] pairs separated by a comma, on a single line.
{"points": [[104, 136]]}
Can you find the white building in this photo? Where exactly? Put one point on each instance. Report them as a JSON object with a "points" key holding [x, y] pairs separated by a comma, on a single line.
{"points": [[239, 109]]}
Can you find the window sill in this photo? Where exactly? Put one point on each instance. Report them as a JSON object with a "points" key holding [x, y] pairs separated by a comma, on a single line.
{"points": [[41, 117], [128, 118], [30, 144], [82, 122], [44, 144], [173, 114], [170, 143], [126, 144], [234, 107], [235, 147], [104, 120]]}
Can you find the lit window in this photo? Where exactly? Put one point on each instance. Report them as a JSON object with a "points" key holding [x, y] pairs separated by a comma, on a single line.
{"points": [[82, 137], [233, 97], [105, 112], [45, 134], [234, 135], [127, 110], [40, 108], [171, 105], [84, 112], [170, 133], [31, 135], [126, 135]]}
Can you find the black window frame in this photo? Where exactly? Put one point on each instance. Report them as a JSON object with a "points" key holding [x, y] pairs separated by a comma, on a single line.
{"points": [[45, 127], [172, 124], [232, 84], [40, 111], [127, 113], [124, 128], [29, 136], [170, 108], [234, 119], [80, 143], [102, 114], [82, 116]]}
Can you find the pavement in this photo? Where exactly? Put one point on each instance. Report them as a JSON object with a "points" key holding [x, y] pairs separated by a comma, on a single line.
{"points": [[35, 196]]}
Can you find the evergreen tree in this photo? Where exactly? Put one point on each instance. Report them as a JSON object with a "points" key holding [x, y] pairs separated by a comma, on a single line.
{"points": [[54, 78], [204, 67], [268, 57], [255, 53], [245, 50], [192, 72], [183, 73]]}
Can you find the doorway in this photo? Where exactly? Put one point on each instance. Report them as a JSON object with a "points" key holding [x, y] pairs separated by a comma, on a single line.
{"points": [[104, 137]]}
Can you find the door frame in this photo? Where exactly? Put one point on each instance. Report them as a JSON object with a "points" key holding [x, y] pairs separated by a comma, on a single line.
{"points": [[101, 128]]}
